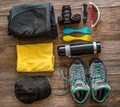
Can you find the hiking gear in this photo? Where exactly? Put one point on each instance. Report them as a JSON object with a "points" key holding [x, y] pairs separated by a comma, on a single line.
{"points": [[66, 85], [100, 87], [79, 86], [67, 17], [84, 13], [69, 38], [35, 58], [84, 30], [92, 8], [32, 88], [32, 20], [79, 49]]}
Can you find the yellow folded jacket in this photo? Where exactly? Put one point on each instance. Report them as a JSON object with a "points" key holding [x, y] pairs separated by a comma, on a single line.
{"points": [[35, 58]]}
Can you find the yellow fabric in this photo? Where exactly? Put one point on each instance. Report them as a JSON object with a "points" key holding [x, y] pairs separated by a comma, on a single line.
{"points": [[35, 58]]}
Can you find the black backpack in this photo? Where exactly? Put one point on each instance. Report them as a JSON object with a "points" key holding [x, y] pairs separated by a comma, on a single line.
{"points": [[32, 20]]}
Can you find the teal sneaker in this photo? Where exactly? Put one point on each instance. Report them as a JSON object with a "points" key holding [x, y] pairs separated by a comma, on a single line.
{"points": [[79, 86], [97, 73]]}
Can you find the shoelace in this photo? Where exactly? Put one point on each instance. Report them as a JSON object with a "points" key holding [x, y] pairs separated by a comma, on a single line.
{"points": [[98, 74], [75, 78], [66, 86], [78, 74]]}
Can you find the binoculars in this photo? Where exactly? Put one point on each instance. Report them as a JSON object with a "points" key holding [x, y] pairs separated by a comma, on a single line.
{"points": [[67, 17]]}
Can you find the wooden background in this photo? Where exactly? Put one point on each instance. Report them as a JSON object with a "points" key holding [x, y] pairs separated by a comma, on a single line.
{"points": [[107, 32]]}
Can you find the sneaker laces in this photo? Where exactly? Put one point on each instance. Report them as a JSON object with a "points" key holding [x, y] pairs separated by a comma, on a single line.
{"points": [[78, 71], [78, 74], [98, 74], [66, 86]]}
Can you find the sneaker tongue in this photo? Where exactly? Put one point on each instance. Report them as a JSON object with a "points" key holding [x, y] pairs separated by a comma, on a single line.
{"points": [[80, 84], [100, 84]]}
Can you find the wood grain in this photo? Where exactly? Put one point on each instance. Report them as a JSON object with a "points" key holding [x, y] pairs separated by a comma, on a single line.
{"points": [[107, 32]]}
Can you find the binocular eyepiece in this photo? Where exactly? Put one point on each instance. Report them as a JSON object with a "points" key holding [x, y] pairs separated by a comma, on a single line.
{"points": [[79, 49]]}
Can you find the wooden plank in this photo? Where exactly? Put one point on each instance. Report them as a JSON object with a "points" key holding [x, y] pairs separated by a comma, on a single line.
{"points": [[107, 32]]}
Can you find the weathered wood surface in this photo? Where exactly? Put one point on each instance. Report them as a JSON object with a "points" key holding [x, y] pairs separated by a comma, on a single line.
{"points": [[107, 32]]}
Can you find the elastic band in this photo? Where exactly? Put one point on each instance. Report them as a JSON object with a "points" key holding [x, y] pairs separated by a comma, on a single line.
{"points": [[67, 50], [95, 47]]}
